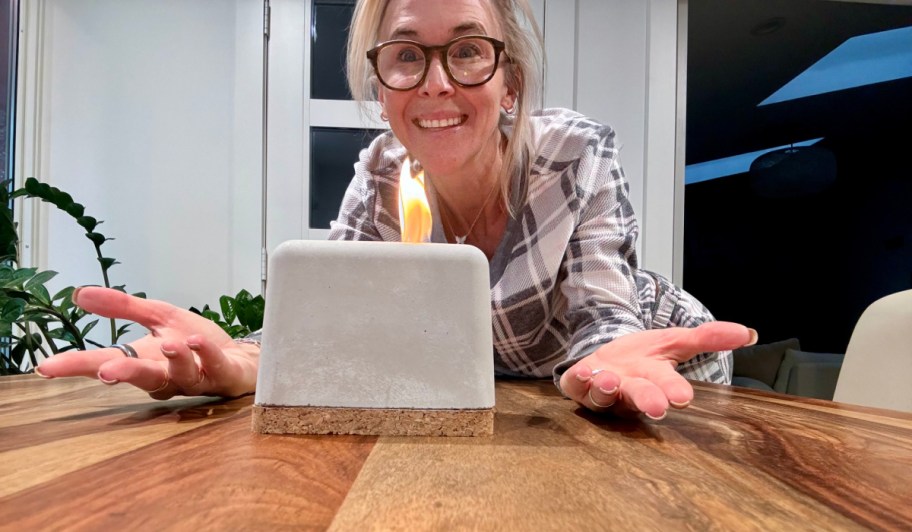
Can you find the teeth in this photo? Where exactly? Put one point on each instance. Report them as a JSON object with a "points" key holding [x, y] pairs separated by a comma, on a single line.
{"points": [[440, 123]]}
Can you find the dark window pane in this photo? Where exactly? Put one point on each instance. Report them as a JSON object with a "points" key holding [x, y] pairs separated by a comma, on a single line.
{"points": [[333, 154], [9, 33], [8, 38], [328, 36], [799, 241]]}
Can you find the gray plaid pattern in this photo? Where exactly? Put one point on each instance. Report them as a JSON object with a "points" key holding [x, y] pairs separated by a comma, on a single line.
{"points": [[564, 279]]}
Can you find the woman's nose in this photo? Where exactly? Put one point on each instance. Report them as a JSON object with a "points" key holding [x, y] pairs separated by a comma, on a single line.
{"points": [[436, 83]]}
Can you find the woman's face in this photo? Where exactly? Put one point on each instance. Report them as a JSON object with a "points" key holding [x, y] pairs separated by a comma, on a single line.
{"points": [[448, 128]]}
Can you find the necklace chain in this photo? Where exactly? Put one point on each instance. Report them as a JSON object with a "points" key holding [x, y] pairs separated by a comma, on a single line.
{"points": [[462, 239]]}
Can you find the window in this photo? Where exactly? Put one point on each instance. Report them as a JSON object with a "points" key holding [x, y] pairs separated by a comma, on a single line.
{"points": [[338, 130], [797, 186], [334, 152], [328, 34], [9, 33]]}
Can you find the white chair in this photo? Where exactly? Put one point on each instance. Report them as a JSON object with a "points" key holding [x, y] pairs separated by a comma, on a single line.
{"points": [[877, 370]]}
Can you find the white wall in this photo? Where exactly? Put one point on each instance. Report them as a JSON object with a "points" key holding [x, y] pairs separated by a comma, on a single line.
{"points": [[148, 113], [619, 67]]}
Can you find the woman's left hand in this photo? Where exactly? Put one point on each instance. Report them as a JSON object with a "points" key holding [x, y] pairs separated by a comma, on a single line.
{"points": [[636, 373]]}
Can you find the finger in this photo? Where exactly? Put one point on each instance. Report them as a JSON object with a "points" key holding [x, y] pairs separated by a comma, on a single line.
{"points": [[116, 304], [216, 367], [677, 390], [603, 391], [641, 395], [148, 375], [182, 365], [682, 343], [78, 363], [575, 382]]}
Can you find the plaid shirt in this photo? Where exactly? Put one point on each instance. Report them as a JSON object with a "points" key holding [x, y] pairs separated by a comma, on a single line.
{"points": [[564, 279]]}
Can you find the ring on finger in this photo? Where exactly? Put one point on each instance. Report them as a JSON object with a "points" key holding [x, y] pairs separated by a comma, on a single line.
{"points": [[164, 384], [599, 405], [127, 350]]}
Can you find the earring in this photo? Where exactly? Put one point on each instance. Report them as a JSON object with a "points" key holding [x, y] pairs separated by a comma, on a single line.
{"points": [[511, 111], [384, 116]]}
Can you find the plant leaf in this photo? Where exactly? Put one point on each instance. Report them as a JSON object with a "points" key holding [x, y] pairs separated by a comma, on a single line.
{"points": [[87, 222], [242, 296], [123, 329], [96, 238], [40, 292], [40, 279], [17, 353], [89, 327], [32, 186], [228, 310], [250, 314], [74, 209], [93, 342], [65, 293], [12, 310], [107, 262], [237, 331], [20, 275]]}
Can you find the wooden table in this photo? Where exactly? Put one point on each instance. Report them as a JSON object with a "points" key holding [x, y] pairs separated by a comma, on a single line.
{"points": [[76, 454]]}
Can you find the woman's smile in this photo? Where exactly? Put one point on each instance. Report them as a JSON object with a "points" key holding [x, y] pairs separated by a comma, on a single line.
{"points": [[439, 123]]}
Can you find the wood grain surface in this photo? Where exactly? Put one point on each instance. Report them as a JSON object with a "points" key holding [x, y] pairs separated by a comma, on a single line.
{"points": [[75, 454], [196, 465], [730, 461]]}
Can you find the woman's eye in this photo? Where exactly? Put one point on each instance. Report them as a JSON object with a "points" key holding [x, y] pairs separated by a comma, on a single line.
{"points": [[409, 55], [466, 51]]}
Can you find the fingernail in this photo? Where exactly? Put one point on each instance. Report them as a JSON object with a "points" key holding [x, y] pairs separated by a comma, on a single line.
{"points": [[168, 353], [685, 404], [609, 392], [193, 345], [76, 294], [42, 375], [106, 381], [583, 378], [660, 418], [753, 337]]}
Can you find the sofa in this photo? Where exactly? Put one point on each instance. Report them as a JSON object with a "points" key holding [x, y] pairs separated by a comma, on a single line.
{"points": [[783, 367]]}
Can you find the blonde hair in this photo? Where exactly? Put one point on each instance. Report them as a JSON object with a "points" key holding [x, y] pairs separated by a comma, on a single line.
{"points": [[523, 75]]}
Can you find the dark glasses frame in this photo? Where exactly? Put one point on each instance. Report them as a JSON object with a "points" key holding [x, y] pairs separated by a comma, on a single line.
{"points": [[428, 52]]}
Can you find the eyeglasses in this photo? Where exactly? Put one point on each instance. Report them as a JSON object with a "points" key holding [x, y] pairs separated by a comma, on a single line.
{"points": [[403, 65]]}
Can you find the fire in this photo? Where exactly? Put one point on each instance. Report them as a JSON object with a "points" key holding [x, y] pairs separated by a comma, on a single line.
{"points": [[414, 211]]}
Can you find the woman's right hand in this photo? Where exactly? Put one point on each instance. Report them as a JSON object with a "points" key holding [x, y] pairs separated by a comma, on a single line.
{"points": [[184, 353]]}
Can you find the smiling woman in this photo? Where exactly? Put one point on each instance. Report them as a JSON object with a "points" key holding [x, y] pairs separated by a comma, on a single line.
{"points": [[561, 232], [540, 192]]}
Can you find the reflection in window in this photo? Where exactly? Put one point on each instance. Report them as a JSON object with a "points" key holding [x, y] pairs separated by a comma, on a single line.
{"points": [[334, 152], [328, 36]]}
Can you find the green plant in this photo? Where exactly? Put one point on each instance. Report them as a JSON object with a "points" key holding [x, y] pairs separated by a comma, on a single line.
{"points": [[33, 322], [246, 309]]}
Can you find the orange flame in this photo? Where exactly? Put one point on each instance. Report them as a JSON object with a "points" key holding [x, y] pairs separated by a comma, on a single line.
{"points": [[414, 211]]}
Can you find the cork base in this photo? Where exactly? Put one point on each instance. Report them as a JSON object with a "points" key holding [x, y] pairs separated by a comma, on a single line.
{"points": [[372, 421]]}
